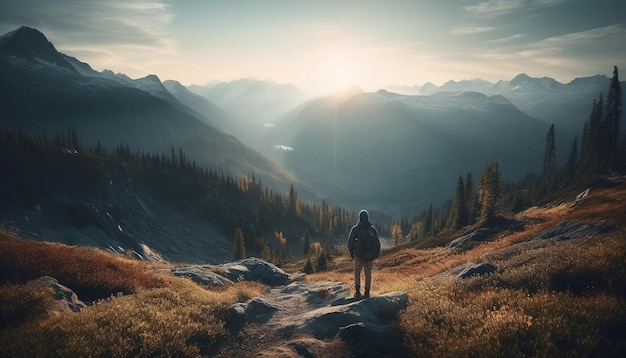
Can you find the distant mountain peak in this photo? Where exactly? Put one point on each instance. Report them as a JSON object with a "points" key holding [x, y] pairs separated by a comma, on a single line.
{"points": [[30, 44]]}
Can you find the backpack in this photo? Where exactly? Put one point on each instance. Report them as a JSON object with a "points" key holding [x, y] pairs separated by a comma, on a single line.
{"points": [[367, 246]]}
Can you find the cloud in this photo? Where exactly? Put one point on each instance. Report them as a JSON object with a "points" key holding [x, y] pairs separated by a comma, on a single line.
{"points": [[494, 8], [468, 30], [93, 22], [506, 39]]}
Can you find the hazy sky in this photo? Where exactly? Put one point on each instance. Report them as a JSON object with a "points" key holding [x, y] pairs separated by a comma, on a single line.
{"points": [[321, 45]]}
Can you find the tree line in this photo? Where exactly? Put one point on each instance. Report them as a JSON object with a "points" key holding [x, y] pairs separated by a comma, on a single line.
{"points": [[264, 222], [602, 151]]}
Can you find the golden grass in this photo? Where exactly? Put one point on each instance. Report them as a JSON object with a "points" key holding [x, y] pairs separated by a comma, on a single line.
{"points": [[90, 272], [546, 299], [177, 319]]}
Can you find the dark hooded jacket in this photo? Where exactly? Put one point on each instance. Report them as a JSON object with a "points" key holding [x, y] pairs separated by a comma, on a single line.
{"points": [[363, 224]]}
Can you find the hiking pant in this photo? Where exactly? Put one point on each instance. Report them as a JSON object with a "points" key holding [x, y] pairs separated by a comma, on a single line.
{"points": [[358, 265]]}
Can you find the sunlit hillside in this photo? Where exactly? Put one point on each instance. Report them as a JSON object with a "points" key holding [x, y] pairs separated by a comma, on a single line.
{"points": [[546, 297]]}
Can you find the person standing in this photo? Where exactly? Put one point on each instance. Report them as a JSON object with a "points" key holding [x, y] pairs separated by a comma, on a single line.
{"points": [[364, 247]]}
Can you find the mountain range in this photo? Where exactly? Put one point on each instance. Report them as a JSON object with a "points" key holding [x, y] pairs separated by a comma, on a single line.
{"points": [[384, 150], [44, 91]]}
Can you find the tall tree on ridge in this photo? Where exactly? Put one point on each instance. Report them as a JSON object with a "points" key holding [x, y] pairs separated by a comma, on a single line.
{"points": [[613, 116], [490, 191], [459, 209], [549, 158]]}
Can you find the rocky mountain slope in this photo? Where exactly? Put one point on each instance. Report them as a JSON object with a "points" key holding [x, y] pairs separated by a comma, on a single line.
{"points": [[401, 153], [44, 91]]}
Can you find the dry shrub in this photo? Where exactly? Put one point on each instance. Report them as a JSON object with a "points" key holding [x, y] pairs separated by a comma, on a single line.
{"points": [[91, 273], [444, 321], [178, 319], [20, 304]]}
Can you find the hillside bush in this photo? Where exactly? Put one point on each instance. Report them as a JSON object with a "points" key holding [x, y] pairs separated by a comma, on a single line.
{"points": [[179, 319], [91, 273]]}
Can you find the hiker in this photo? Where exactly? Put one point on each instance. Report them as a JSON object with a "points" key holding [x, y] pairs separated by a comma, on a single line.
{"points": [[364, 247]]}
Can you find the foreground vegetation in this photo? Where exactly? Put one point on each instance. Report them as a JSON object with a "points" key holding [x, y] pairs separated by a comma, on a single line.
{"points": [[135, 313], [547, 298]]}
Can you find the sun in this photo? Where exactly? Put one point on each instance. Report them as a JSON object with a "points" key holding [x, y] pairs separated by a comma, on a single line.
{"points": [[336, 74]]}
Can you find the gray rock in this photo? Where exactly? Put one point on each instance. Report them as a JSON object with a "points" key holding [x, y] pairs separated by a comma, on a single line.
{"points": [[568, 230], [372, 340], [467, 241], [259, 311], [201, 275], [377, 311], [255, 310], [65, 299], [253, 269], [478, 269]]}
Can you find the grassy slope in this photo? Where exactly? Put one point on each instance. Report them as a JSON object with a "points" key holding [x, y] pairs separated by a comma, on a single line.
{"points": [[136, 312], [547, 298], [524, 309]]}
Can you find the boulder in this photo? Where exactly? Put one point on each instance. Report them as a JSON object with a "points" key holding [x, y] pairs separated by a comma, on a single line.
{"points": [[65, 299], [255, 310], [201, 275], [568, 230], [253, 269], [258, 310], [478, 269], [372, 340], [467, 241], [375, 313]]}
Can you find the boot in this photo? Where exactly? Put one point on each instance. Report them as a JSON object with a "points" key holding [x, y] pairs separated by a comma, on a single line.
{"points": [[357, 294], [367, 293]]}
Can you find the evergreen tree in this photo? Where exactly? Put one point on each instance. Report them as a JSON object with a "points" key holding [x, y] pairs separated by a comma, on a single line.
{"points": [[239, 247], [306, 244], [396, 233], [471, 198], [322, 262], [490, 192], [613, 118], [591, 146], [549, 158], [459, 208], [308, 267], [427, 227]]}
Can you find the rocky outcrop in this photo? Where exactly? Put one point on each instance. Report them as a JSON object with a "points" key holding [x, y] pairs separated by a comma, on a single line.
{"points": [[201, 275], [568, 230], [65, 300], [476, 270], [322, 311], [469, 240], [253, 269], [250, 269]]}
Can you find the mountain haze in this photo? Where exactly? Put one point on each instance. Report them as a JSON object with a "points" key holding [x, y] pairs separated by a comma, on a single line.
{"points": [[44, 91], [567, 105], [401, 153]]}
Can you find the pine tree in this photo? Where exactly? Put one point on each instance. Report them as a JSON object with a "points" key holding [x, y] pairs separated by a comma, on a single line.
{"points": [[306, 244], [591, 158], [549, 158], [613, 117], [490, 191], [427, 227], [459, 208], [239, 247], [396, 233]]}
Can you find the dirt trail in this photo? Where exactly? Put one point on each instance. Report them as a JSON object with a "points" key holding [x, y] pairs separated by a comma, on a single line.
{"points": [[277, 335]]}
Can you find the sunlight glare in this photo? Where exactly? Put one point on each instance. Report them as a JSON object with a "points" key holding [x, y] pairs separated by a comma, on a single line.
{"points": [[337, 74]]}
